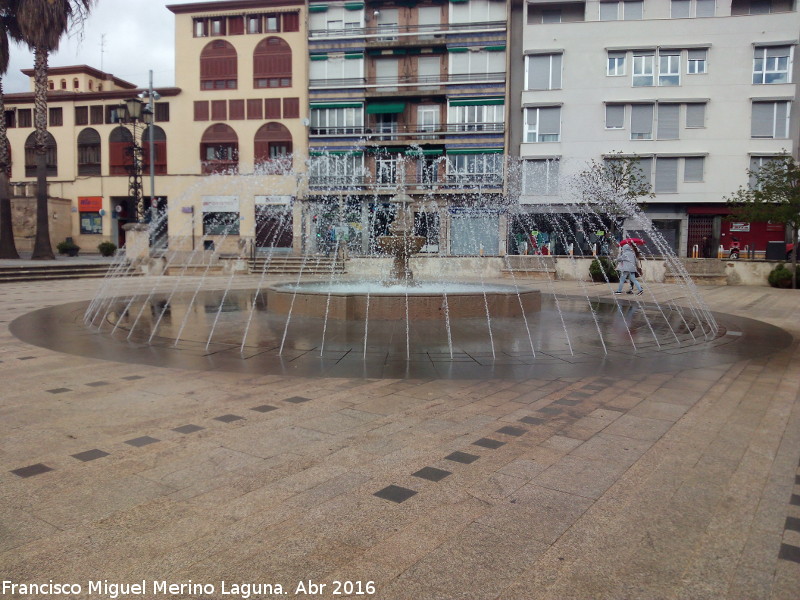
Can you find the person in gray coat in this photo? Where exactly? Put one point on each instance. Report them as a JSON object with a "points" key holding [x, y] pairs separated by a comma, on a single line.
{"points": [[626, 263]]}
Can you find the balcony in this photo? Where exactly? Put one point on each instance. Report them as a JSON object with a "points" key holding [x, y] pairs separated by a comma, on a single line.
{"points": [[425, 83], [383, 132], [424, 181], [421, 33]]}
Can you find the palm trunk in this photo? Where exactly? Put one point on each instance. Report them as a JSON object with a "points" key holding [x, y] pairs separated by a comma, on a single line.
{"points": [[8, 248], [42, 249], [794, 256]]}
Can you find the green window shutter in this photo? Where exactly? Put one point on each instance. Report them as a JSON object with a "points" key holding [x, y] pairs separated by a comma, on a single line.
{"points": [[354, 55], [319, 57], [457, 49], [336, 153], [495, 48], [478, 102], [318, 8], [384, 108], [336, 105], [353, 5]]}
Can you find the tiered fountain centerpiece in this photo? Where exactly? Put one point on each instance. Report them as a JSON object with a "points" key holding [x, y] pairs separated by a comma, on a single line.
{"points": [[402, 244]]}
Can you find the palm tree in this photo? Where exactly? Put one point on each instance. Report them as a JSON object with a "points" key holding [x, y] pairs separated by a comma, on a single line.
{"points": [[41, 24], [8, 248]]}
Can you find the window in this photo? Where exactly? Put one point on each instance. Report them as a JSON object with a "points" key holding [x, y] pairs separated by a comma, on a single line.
{"points": [[695, 115], [770, 120], [96, 115], [88, 152], [219, 110], [771, 64], [255, 109], [220, 223], [273, 23], [551, 16], [540, 177], [291, 108], [615, 116], [627, 10], [218, 68], [24, 116], [76, 84], [476, 115], [686, 9], [643, 69], [272, 108], [201, 110], [476, 66], [219, 150], [236, 110], [693, 167], [336, 171], [272, 64], [760, 7], [291, 22], [63, 84], [666, 175], [91, 223], [51, 151], [471, 169], [342, 69], [81, 115], [345, 119], [616, 64], [386, 169], [668, 121], [162, 112], [696, 61], [200, 27], [159, 150], [543, 72], [235, 25], [477, 11], [254, 24], [218, 26], [273, 148], [543, 124], [669, 67], [641, 121], [11, 119], [120, 159], [756, 164]]}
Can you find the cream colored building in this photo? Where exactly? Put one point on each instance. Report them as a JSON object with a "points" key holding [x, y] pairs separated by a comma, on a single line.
{"points": [[238, 106], [701, 90]]}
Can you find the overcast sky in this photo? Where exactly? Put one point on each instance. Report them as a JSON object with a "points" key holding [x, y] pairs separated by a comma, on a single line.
{"points": [[139, 36]]}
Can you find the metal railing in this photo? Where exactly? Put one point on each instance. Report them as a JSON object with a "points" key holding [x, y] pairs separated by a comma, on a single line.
{"points": [[390, 32], [424, 82]]}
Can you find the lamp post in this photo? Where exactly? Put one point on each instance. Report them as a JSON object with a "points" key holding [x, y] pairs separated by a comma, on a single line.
{"points": [[133, 113]]}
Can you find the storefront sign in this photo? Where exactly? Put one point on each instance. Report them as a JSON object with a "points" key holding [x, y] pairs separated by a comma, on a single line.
{"points": [[90, 203], [742, 227], [274, 200], [220, 204]]}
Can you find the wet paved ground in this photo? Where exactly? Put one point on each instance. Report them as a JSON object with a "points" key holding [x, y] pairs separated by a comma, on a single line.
{"points": [[678, 484]]}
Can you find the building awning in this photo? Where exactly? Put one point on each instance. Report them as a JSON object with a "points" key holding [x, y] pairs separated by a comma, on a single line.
{"points": [[318, 8], [475, 151], [721, 209], [336, 105], [457, 49], [478, 102], [385, 108], [494, 48], [353, 5]]}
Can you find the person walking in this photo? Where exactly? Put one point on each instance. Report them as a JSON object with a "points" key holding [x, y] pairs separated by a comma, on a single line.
{"points": [[626, 263]]}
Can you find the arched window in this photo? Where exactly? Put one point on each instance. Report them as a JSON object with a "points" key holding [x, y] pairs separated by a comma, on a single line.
{"points": [[120, 156], [273, 148], [89, 152], [51, 150], [75, 84], [91, 85], [160, 148], [63, 84], [218, 70], [219, 150], [51, 84], [272, 64]]}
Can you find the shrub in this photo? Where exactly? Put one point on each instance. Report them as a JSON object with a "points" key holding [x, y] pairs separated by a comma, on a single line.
{"points": [[68, 247], [603, 267], [107, 248], [781, 276]]}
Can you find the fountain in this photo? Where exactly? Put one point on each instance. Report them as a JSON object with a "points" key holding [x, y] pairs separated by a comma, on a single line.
{"points": [[450, 317]]}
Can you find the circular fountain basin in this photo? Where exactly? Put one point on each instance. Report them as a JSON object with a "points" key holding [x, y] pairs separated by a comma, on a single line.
{"points": [[358, 301]]}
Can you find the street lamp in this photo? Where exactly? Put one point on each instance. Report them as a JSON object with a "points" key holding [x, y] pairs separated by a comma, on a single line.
{"points": [[132, 112]]}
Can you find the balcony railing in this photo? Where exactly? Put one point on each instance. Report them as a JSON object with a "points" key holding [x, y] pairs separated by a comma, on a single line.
{"points": [[382, 132], [428, 181], [423, 82], [391, 32]]}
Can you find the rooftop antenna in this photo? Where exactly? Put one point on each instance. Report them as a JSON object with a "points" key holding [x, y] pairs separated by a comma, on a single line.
{"points": [[102, 48]]}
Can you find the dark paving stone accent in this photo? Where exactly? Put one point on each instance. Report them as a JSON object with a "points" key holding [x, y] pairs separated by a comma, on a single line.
{"points": [[515, 431], [32, 470], [532, 420], [229, 418], [792, 523], [97, 383], [90, 455], [296, 399], [488, 443], [797, 479], [788, 552], [462, 457], [567, 402], [795, 500], [550, 410], [59, 390], [432, 473], [580, 395], [395, 493], [142, 441], [26, 358], [188, 428], [133, 377], [264, 408]]}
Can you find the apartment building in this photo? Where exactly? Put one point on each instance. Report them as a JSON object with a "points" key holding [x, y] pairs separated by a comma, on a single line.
{"points": [[408, 97], [699, 90]]}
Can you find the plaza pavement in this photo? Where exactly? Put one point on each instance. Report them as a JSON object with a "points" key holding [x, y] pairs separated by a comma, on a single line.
{"points": [[680, 485]]}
